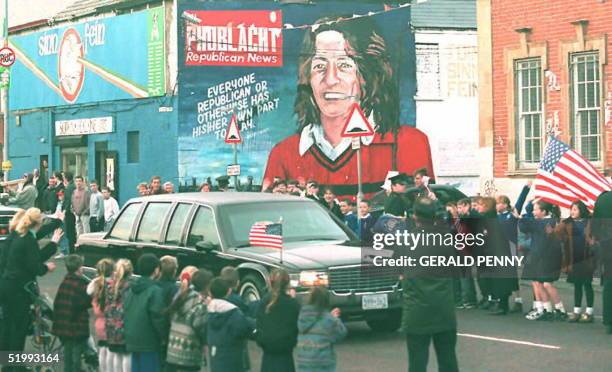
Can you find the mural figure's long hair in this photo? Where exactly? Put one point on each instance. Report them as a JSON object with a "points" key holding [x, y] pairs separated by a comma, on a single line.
{"points": [[366, 46]]}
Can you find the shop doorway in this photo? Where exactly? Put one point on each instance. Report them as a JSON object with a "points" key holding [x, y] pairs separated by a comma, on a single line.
{"points": [[74, 160], [107, 170]]}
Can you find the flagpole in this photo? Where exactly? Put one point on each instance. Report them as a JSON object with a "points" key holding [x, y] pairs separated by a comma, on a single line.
{"points": [[280, 221]]}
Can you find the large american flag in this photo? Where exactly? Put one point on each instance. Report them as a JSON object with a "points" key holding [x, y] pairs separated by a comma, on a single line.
{"points": [[264, 234], [564, 176]]}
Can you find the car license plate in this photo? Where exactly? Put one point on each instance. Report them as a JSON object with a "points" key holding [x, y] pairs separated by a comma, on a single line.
{"points": [[374, 301]]}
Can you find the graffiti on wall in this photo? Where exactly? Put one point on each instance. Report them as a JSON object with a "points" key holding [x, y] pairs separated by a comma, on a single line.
{"points": [[489, 188], [462, 71], [552, 83], [552, 124]]}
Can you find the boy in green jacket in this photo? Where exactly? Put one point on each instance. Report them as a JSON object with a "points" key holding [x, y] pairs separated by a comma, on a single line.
{"points": [[145, 323]]}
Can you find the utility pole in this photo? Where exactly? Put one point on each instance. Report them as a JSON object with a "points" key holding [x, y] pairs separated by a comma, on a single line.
{"points": [[5, 95]]}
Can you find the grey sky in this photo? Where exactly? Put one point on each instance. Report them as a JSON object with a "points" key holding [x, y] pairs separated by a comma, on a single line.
{"points": [[24, 11]]}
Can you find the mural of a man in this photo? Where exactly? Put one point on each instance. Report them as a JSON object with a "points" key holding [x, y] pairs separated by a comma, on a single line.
{"points": [[342, 63]]}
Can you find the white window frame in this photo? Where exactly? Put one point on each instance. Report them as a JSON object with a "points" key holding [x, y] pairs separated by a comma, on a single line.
{"points": [[528, 158], [585, 107]]}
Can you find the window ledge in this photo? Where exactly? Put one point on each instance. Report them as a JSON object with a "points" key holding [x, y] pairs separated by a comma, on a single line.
{"points": [[522, 172]]}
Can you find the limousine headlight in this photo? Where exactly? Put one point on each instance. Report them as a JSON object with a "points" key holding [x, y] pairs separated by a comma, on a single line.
{"points": [[309, 279]]}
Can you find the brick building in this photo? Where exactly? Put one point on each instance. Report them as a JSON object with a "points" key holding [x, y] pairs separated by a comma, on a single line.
{"points": [[544, 68]]}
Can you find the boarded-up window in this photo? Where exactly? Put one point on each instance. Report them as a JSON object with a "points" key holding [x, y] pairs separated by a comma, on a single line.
{"points": [[428, 70]]}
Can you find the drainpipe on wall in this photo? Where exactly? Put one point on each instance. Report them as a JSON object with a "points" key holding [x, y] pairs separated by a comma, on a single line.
{"points": [[485, 94]]}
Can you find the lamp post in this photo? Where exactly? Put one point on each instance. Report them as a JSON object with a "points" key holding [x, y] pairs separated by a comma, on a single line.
{"points": [[4, 94]]}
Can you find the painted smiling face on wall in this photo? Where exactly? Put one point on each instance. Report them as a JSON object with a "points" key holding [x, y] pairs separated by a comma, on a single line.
{"points": [[334, 77]]}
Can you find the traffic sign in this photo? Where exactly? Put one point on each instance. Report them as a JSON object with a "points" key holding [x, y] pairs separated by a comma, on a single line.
{"points": [[7, 165], [233, 132], [233, 170], [7, 57], [357, 125]]}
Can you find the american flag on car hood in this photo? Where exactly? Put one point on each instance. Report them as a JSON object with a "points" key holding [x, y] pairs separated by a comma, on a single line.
{"points": [[564, 176], [266, 234]]}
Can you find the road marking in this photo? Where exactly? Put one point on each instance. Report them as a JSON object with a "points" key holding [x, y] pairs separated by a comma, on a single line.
{"points": [[518, 342]]}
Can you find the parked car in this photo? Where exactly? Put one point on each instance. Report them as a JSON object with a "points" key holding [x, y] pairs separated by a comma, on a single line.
{"points": [[211, 230], [6, 214]]}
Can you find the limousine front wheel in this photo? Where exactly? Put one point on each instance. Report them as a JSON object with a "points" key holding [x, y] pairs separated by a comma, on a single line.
{"points": [[251, 288]]}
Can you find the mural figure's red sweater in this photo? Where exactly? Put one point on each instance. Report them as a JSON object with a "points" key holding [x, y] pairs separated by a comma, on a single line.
{"points": [[412, 153]]}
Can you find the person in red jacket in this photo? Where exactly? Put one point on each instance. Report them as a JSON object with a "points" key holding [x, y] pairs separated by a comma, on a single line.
{"points": [[343, 63]]}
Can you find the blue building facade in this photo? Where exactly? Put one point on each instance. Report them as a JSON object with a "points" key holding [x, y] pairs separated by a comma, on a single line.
{"points": [[93, 97], [143, 142]]}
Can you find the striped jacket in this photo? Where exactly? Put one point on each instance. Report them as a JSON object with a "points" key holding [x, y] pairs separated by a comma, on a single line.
{"points": [[188, 332], [318, 332]]}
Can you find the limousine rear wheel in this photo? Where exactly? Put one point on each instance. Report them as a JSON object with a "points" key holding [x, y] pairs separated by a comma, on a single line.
{"points": [[251, 288], [390, 321]]}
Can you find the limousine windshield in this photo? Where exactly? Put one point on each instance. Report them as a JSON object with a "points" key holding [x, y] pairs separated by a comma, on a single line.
{"points": [[301, 222]]}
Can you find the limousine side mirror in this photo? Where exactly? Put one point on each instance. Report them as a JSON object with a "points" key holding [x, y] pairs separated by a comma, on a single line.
{"points": [[204, 246]]}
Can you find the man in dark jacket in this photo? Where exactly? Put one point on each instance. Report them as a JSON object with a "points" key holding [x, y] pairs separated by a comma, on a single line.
{"points": [[40, 182], [428, 300], [602, 232], [69, 218], [49, 195], [399, 186], [145, 323]]}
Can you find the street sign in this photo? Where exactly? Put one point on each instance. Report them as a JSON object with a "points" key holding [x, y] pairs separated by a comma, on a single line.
{"points": [[233, 170], [357, 125], [233, 132], [355, 143], [7, 165], [7, 57]]}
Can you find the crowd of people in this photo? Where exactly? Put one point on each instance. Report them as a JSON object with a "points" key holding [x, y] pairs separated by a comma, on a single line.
{"points": [[576, 246], [83, 207], [160, 320], [550, 246]]}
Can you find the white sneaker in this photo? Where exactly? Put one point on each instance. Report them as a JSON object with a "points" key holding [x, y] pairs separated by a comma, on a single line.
{"points": [[533, 315]]}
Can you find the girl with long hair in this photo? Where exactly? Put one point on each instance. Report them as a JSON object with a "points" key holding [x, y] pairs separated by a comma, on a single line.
{"points": [[97, 290], [573, 232], [277, 324], [543, 266], [114, 316], [319, 329]]}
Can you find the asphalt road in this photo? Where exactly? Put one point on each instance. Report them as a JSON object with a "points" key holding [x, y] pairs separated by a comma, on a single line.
{"points": [[485, 343]]}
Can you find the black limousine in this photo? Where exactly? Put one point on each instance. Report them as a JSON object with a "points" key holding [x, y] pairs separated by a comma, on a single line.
{"points": [[211, 230]]}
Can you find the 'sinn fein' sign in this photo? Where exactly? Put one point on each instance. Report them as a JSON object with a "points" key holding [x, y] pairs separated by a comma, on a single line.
{"points": [[80, 127]]}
